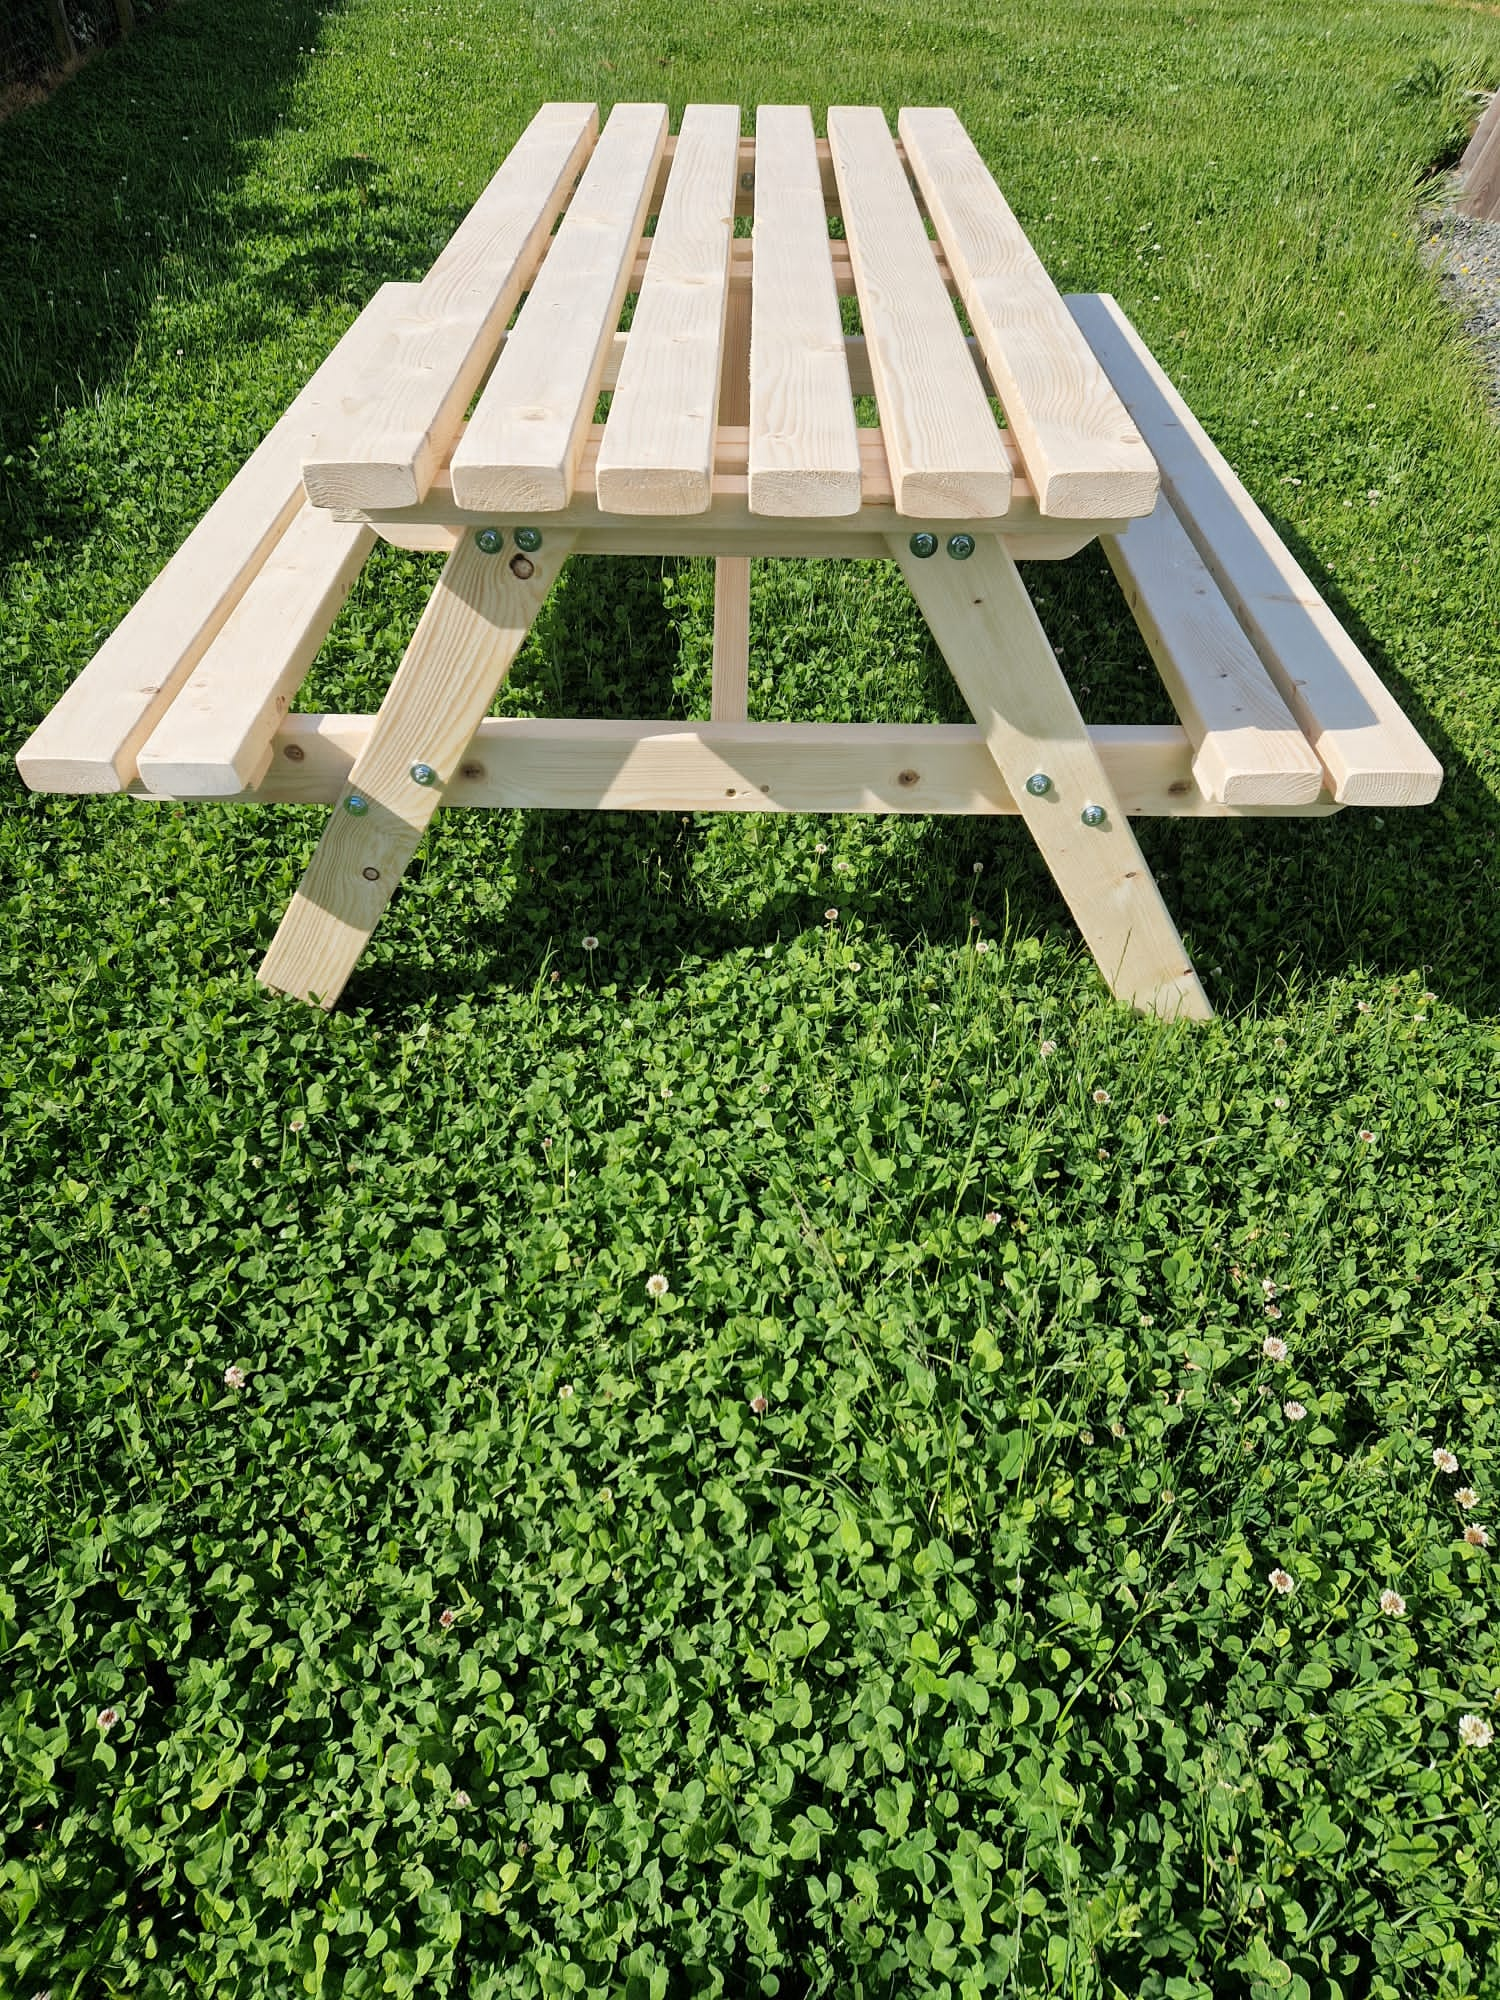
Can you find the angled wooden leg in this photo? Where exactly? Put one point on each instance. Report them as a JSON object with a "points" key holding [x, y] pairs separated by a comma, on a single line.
{"points": [[475, 622], [982, 618]]}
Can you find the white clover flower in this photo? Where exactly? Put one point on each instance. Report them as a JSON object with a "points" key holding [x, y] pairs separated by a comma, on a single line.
{"points": [[566, 1392], [1393, 1604], [234, 1378], [1282, 1584], [1476, 1537], [107, 1718], [1474, 1732], [759, 1405], [1273, 1348], [1466, 1497], [1444, 1460], [1280, 1103], [1049, 1048], [656, 1285], [591, 943], [1367, 1135], [1273, 1312], [830, 916], [460, 1800], [445, 1619], [1295, 1411], [1101, 1097], [820, 847]]}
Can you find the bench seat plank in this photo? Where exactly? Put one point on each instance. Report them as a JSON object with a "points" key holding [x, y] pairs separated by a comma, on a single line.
{"points": [[1371, 753], [946, 455], [90, 740], [215, 739], [804, 450], [1247, 748], [398, 426], [658, 448], [1085, 456], [520, 451]]}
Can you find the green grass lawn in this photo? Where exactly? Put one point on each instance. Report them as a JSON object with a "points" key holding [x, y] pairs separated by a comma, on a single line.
{"points": [[886, 1608]]}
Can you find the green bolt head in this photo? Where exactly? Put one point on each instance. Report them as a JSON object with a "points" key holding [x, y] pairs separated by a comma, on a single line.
{"points": [[1093, 815], [356, 805], [923, 544], [529, 539], [960, 547], [1039, 784], [423, 774], [489, 541]]}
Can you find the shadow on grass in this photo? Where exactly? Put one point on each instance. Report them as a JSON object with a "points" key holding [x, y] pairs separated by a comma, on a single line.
{"points": [[112, 196]]}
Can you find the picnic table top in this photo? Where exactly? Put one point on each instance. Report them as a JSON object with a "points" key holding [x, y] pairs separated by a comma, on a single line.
{"points": [[736, 370]]}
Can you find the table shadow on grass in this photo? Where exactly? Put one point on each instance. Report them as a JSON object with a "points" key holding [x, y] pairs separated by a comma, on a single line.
{"points": [[113, 196]]}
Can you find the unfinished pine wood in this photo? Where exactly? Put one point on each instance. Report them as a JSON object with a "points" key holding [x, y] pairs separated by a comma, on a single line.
{"points": [[1370, 752], [399, 422], [804, 455], [520, 451], [474, 625], [730, 697], [1248, 749], [824, 767], [983, 621], [656, 456], [1084, 455], [90, 740], [946, 455], [1489, 122], [1480, 190], [215, 739]]}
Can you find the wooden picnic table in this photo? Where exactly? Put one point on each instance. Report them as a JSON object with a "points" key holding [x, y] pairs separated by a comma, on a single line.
{"points": [[732, 432]]}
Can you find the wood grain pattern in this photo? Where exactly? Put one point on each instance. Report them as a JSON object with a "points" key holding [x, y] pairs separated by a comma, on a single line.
{"points": [[216, 736], [398, 423], [946, 454], [656, 456], [1371, 753], [519, 454], [91, 738], [804, 454], [1085, 456], [983, 621], [474, 625], [1248, 749], [865, 767]]}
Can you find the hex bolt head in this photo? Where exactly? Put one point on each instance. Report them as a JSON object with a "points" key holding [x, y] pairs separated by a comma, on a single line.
{"points": [[960, 547], [529, 539], [489, 541], [1039, 784], [747, 181], [1093, 815], [923, 544], [423, 774], [357, 805]]}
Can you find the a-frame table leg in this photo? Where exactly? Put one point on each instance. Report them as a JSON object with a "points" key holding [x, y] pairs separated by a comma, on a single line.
{"points": [[474, 625], [986, 628]]}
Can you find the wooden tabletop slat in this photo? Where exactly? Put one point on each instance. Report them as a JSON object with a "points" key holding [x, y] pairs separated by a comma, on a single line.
{"points": [[397, 427], [947, 461], [1085, 456], [804, 455], [519, 454], [657, 455]]}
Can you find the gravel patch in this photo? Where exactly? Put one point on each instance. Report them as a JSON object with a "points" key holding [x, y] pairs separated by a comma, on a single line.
{"points": [[1466, 256]]}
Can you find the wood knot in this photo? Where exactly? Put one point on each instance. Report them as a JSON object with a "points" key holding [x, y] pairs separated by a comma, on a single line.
{"points": [[471, 770], [1178, 787], [294, 753], [522, 567], [909, 778]]}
